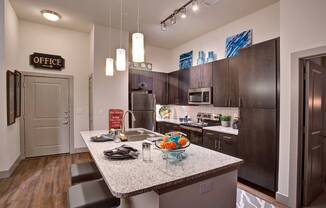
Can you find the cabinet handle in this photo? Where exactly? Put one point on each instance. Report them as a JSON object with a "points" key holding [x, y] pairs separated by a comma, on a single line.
{"points": [[219, 145], [211, 134], [239, 101], [216, 145], [229, 102], [226, 102]]}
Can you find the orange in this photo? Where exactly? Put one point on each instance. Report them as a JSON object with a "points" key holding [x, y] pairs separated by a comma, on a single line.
{"points": [[183, 141]]}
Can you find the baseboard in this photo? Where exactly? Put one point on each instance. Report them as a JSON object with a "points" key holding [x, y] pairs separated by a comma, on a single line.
{"points": [[81, 150], [9, 172], [282, 198]]}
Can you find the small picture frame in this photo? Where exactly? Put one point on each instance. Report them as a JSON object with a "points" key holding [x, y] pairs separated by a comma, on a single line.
{"points": [[10, 98], [18, 93]]}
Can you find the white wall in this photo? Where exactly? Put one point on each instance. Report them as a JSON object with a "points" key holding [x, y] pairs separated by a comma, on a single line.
{"points": [[10, 135], [302, 27], [265, 24], [108, 92], [74, 47], [160, 58]]}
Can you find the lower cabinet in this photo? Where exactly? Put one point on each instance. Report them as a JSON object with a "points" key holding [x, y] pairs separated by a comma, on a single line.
{"points": [[224, 143], [164, 127]]}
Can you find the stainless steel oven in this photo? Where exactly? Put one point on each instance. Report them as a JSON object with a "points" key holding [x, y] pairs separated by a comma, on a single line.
{"points": [[200, 96]]}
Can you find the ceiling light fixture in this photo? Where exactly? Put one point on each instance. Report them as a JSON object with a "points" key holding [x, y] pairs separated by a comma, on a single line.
{"points": [[195, 6], [50, 15], [182, 12], [138, 48], [109, 64], [120, 52]]}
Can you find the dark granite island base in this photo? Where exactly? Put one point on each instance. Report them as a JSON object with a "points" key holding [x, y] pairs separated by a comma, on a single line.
{"points": [[205, 179]]}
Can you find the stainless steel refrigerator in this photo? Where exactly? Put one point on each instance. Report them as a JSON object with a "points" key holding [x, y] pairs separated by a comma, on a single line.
{"points": [[143, 106]]}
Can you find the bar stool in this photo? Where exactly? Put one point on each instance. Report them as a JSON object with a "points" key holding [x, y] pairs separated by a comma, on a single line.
{"points": [[91, 194], [82, 172]]}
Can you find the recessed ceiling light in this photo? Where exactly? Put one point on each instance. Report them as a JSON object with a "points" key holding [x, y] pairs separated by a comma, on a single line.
{"points": [[50, 15]]}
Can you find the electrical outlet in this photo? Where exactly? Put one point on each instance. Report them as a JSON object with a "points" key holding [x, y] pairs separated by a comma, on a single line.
{"points": [[205, 187]]}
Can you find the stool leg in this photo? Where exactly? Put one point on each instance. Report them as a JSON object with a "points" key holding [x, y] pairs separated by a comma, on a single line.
{"points": [[124, 203]]}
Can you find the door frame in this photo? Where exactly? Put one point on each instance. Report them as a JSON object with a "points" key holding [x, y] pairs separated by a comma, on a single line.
{"points": [[301, 137], [70, 79]]}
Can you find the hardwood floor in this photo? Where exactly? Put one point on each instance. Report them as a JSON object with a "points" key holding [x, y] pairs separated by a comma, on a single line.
{"points": [[43, 182], [39, 182]]}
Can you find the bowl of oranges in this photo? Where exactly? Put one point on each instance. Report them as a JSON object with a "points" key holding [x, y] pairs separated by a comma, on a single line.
{"points": [[173, 145]]}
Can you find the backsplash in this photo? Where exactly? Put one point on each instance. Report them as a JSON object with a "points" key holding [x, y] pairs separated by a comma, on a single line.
{"points": [[178, 111]]}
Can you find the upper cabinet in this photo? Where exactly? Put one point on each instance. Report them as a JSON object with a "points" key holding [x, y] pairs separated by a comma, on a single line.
{"points": [[160, 87], [258, 75], [201, 76], [173, 86], [140, 79], [183, 86], [226, 82]]}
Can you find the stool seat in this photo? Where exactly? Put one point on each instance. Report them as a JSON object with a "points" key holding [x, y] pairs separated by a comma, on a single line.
{"points": [[82, 172], [91, 194]]}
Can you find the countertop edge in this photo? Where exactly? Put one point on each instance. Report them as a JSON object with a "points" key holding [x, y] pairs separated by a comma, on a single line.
{"points": [[181, 182]]}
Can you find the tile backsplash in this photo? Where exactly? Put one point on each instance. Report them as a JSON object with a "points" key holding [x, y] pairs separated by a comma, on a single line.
{"points": [[178, 111]]}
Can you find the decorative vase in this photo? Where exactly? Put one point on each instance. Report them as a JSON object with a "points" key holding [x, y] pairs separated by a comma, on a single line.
{"points": [[201, 57], [211, 56], [226, 123]]}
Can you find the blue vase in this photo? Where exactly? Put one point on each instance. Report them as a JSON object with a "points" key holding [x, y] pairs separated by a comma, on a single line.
{"points": [[211, 56], [201, 57]]}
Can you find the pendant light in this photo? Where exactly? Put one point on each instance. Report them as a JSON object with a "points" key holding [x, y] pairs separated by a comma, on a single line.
{"points": [[138, 49], [120, 52], [109, 61]]}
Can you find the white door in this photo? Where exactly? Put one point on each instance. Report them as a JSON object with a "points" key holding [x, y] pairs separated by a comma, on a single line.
{"points": [[47, 123]]}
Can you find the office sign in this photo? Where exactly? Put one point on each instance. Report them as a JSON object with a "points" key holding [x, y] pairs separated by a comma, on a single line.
{"points": [[47, 61]]}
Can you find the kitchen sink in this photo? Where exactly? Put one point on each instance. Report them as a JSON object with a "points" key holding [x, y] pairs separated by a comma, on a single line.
{"points": [[139, 135]]}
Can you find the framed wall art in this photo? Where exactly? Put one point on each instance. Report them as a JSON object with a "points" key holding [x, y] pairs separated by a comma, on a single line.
{"points": [[10, 98], [236, 42], [18, 93]]}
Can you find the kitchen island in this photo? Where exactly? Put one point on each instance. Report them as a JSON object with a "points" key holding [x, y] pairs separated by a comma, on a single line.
{"points": [[204, 178]]}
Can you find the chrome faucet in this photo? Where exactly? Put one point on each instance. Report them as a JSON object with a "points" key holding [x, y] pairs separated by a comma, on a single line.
{"points": [[124, 120]]}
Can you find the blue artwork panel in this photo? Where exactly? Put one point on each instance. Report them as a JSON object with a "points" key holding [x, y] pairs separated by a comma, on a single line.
{"points": [[236, 42], [185, 61]]}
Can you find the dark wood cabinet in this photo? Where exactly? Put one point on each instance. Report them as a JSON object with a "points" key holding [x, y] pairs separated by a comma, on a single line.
{"points": [[226, 82], [201, 76], [140, 79], [258, 147], [224, 143], [160, 87], [220, 83], [173, 88], [164, 127], [183, 86], [258, 75]]}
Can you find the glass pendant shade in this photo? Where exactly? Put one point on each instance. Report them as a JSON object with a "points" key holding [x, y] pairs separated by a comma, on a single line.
{"points": [[121, 64], [138, 50], [109, 67]]}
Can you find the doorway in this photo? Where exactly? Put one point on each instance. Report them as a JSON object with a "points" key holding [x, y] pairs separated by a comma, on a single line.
{"points": [[312, 151], [48, 114]]}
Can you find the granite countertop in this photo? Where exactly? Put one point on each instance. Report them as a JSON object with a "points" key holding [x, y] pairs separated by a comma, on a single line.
{"points": [[222, 129], [126, 178]]}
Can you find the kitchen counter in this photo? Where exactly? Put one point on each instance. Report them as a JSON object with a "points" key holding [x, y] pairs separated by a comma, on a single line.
{"points": [[129, 178], [222, 129]]}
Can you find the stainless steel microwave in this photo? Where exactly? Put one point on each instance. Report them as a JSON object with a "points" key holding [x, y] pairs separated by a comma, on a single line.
{"points": [[200, 96]]}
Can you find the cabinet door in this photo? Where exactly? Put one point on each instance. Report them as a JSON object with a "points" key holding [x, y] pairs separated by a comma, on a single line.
{"points": [[183, 86], [173, 87], [206, 75], [211, 140], [160, 87], [140, 79], [257, 76], [228, 144], [258, 147], [160, 127], [220, 83], [235, 64], [195, 77]]}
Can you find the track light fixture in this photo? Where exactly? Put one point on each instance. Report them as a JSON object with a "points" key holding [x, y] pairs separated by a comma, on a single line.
{"points": [[182, 12]]}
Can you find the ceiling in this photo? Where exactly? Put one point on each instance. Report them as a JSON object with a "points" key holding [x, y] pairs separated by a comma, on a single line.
{"points": [[81, 14]]}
